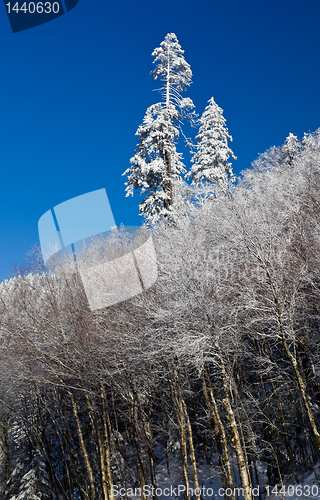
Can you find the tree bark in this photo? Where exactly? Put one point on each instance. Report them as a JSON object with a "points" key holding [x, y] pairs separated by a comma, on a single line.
{"points": [[192, 451], [219, 434], [106, 445], [83, 447], [235, 436], [133, 419]]}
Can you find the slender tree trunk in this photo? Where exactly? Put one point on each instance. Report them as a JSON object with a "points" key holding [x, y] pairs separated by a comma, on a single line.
{"points": [[238, 449], [308, 444], [133, 419], [184, 452], [69, 443], [104, 480], [167, 460], [113, 443], [100, 446], [168, 185], [167, 156], [6, 448], [286, 435], [235, 436], [168, 83], [241, 435], [192, 451], [179, 410], [83, 447], [220, 434], [169, 175], [147, 431], [106, 445]]}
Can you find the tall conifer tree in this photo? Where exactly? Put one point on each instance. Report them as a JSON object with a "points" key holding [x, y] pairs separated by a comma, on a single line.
{"points": [[156, 164], [210, 160]]}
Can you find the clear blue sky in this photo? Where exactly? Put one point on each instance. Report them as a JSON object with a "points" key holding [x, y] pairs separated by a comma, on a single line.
{"points": [[74, 91]]}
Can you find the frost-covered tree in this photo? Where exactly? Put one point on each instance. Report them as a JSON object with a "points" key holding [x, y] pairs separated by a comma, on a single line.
{"points": [[156, 164], [15, 446], [210, 160], [12, 485], [290, 148], [219, 359], [35, 483]]}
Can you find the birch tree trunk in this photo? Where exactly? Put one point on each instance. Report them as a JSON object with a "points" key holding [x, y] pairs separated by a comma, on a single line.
{"points": [[235, 436], [147, 430], [180, 415], [133, 419], [106, 445], [192, 452], [220, 433], [83, 447]]}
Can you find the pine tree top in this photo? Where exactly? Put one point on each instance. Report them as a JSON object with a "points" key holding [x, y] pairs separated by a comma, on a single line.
{"points": [[171, 66]]}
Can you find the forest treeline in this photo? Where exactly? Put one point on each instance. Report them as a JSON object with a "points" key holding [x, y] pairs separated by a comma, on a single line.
{"points": [[217, 361]]}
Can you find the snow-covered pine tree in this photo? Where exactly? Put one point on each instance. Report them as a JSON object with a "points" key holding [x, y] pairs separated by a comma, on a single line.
{"points": [[35, 483], [156, 163], [18, 445], [290, 148], [12, 485], [210, 160]]}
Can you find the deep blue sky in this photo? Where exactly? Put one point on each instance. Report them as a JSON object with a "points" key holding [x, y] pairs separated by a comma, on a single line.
{"points": [[74, 91]]}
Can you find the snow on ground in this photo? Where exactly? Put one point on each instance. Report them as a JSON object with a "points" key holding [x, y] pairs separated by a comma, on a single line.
{"points": [[172, 487], [170, 484], [307, 489], [209, 478]]}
